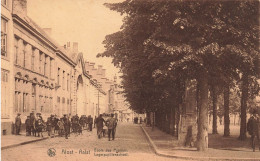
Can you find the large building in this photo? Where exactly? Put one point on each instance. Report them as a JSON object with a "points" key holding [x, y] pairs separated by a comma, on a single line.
{"points": [[7, 72], [41, 76]]}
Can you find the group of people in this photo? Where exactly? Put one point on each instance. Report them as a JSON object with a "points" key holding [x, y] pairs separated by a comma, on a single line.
{"points": [[63, 126], [66, 124], [111, 124], [33, 124]]}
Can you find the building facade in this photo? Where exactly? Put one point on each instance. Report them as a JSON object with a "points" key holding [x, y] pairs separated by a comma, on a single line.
{"points": [[7, 83], [39, 75]]}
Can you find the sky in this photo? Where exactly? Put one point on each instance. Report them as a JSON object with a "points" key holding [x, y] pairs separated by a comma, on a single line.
{"points": [[84, 21]]}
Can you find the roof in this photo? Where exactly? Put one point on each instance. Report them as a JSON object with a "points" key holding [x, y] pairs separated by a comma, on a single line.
{"points": [[38, 30]]}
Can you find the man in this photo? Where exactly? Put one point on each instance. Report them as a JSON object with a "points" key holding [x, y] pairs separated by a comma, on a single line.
{"points": [[18, 124], [66, 122], [90, 122], [95, 120], [111, 124], [52, 126], [27, 126], [48, 123], [61, 127], [32, 123], [252, 128], [99, 123]]}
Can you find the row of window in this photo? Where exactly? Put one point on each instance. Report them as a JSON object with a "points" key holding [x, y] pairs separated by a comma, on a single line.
{"points": [[63, 100], [23, 103], [65, 79], [31, 58]]}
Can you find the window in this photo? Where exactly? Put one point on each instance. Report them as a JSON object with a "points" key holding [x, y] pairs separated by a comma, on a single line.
{"points": [[40, 62], [63, 80], [3, 37], [51, 68], [15, 50], [24, 54], [33, 58], [58, 99], [45, 65], [24, 102], [68, 79], [58, 76], [4, 75], [4, 93], [34, 90]]}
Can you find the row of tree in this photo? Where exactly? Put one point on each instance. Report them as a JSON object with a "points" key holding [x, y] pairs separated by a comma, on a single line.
{"points": [[162, 44]]}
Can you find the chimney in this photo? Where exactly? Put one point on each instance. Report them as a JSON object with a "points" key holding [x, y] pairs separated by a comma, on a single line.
{"points": [[75, 47], [47, 30], [20, 7]]}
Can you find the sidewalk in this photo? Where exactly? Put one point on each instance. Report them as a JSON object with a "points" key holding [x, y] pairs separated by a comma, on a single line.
{"points": [[9, 141], [220, 148]]}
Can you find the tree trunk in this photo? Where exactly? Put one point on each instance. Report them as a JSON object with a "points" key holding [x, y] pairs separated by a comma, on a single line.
{"points": [[172, 120], [244, 99], [202, 140], [226, 111], [215, 101], [153, 120]]}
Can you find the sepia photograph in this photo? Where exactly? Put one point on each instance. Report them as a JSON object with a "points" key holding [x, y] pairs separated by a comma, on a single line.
{"points": [[130, 80]]}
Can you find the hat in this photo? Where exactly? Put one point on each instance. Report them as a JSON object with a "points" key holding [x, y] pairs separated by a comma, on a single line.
{"points": [[28, 116], [65, 115], [18, 114]]}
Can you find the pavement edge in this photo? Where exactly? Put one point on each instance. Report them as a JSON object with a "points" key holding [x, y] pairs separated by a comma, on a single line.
{"points": [[159, 153], [23, 143]]}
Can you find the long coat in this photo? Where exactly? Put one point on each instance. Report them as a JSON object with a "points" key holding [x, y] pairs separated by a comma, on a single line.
{"points": [[18, 121]]}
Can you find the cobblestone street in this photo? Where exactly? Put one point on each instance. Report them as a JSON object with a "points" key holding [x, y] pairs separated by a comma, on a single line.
{"points": [[130, 140]]}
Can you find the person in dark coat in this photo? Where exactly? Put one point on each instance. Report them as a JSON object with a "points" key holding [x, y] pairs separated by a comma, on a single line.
{"points": [[95, 120], [66, 122], [32, 123], [253, 129], [61, 127], [27, 126], [53, 124], [90, 122], [111, 124], [99, 122], [39, 125], [18, 124], [48, 124]]}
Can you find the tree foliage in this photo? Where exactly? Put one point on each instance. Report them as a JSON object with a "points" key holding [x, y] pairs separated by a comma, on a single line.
{"points": [[163, 43]]}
